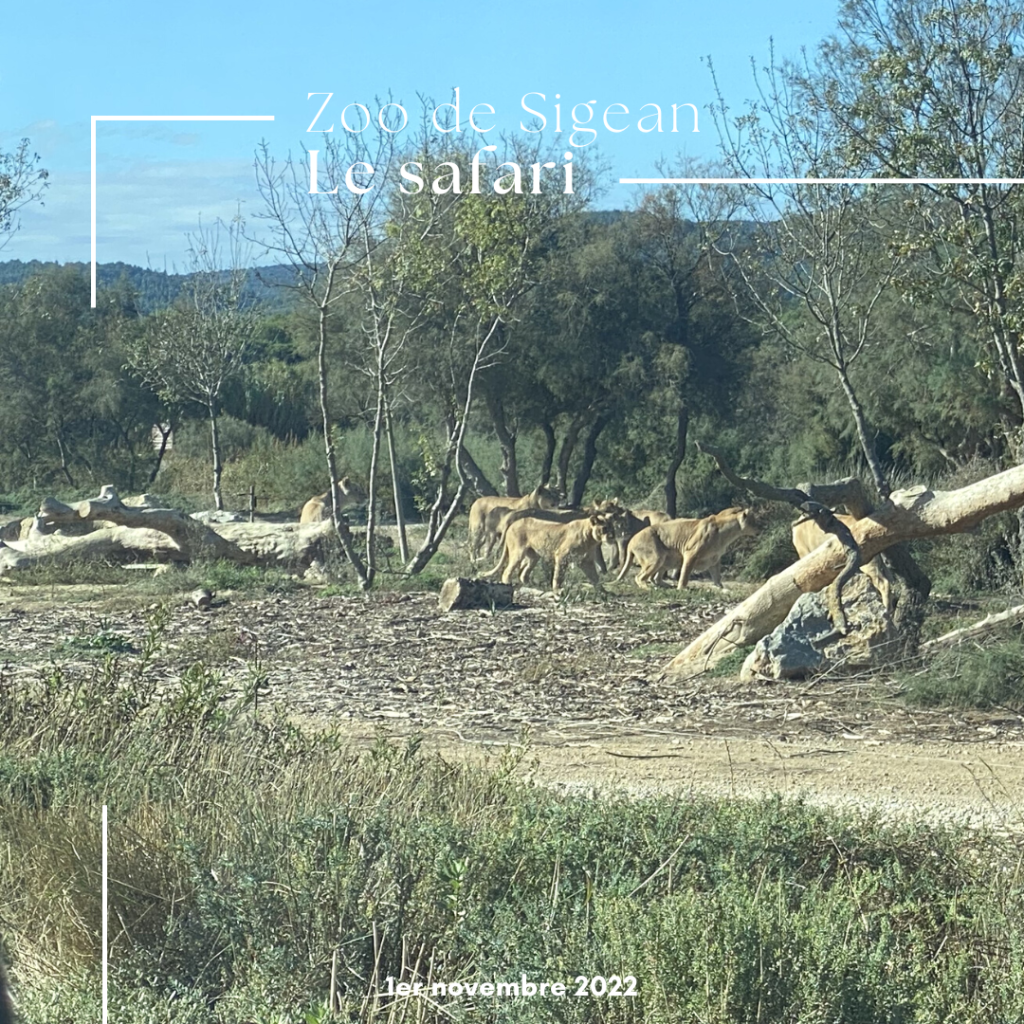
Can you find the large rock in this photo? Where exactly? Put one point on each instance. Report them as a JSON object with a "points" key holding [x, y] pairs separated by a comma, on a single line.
{"points": [[806, 643]]}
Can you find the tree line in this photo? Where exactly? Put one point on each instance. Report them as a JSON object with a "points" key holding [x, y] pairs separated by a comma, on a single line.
{"points": [[478, 343]]}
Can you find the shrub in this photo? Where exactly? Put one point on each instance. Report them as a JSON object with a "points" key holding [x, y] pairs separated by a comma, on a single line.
{"points": [[971, 676]]}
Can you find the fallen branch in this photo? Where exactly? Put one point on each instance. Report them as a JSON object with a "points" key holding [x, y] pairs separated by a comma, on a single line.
{"points": [[987, 625], [848, 492], [148, 533]]}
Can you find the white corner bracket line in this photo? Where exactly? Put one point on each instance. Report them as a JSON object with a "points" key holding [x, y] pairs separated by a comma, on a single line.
{"points": [[821, 181], [149, 117], [103, 869]]}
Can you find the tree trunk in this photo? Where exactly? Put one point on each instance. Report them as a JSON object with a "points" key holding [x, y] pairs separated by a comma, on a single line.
{"points": [[396, 487], [678, 454], [65, 469], [568, 446], [477, 479], [371, 503], [867, 442], [579, 485], [218, 500], [165, 437], [549, 453], [507, 442], [439, 521], [340, 526], [909, 515]]}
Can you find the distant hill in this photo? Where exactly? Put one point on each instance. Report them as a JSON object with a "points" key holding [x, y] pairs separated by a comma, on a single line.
{"points": [[155, 288]]}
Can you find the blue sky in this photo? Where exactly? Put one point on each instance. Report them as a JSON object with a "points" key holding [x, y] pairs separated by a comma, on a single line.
{"points": [[69, 60]]}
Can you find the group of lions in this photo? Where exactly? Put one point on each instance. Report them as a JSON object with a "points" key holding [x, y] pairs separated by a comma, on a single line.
{"points": [[530, 529]]}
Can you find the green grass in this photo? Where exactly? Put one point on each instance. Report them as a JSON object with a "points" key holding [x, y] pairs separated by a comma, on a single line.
{"points": [[731, 664], [972, 676], [248, 856]]}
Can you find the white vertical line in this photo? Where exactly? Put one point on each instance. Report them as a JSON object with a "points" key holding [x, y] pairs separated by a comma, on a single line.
{"points": [[104, 898], [93, 257]]}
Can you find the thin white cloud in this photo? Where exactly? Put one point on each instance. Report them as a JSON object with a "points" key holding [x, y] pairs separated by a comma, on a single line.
{"points": [[144, 211]]}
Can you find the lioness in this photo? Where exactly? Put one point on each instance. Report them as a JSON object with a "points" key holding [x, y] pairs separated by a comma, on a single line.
{"points": [[653, 516], [486, 514], [319, 508], [711, 539], [611, 511], [807, 536], [528, 540], [627, 526], [657, 549]]}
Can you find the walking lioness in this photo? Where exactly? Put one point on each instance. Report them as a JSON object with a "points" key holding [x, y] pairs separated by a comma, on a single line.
{"points": [[529, 540], [486, 514], [711, 539], [657, 549]]}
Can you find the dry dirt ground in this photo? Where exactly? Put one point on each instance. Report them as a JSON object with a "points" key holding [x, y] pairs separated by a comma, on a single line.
{"points": [[578, 683]]}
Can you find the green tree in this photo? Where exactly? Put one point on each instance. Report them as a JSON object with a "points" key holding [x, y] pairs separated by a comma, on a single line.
{"points": [[22, 181], [920, 88], [193, 350], [813, 263], [68, 409]]}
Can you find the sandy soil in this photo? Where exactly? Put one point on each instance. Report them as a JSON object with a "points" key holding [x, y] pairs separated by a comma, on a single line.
{"points": [[577, 684]]}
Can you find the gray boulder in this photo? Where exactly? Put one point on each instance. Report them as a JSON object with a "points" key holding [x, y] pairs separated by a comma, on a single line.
{"points": [[807, 642]]}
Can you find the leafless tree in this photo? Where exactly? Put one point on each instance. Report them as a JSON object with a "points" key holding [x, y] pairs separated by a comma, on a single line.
{"points": [[192, 350], [814, 268], [22, 181], [323, 215]]}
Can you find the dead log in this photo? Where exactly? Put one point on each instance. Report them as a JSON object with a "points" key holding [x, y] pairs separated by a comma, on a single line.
{"points": [[118, 544], [286, 545], [987, 625], [848, 492], [467, 593], [190, 535], [156, 534], [907, 515]]}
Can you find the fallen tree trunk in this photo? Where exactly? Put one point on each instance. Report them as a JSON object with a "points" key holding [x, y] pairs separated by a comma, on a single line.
{"points": [[119, 544], [162, 534], [987, 625], [907, 515], [190, 535]]}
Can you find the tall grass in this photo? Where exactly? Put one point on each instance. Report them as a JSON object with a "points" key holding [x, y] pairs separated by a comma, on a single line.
{"points": [[973, 675], [253, 861]]}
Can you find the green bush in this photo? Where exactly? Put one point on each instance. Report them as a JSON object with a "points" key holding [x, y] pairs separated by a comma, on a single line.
{"points": [[970, 676], [250, 859]]}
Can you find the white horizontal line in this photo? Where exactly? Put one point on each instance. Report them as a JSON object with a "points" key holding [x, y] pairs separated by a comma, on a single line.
{"points": [[183, 117], [821, 181]]}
